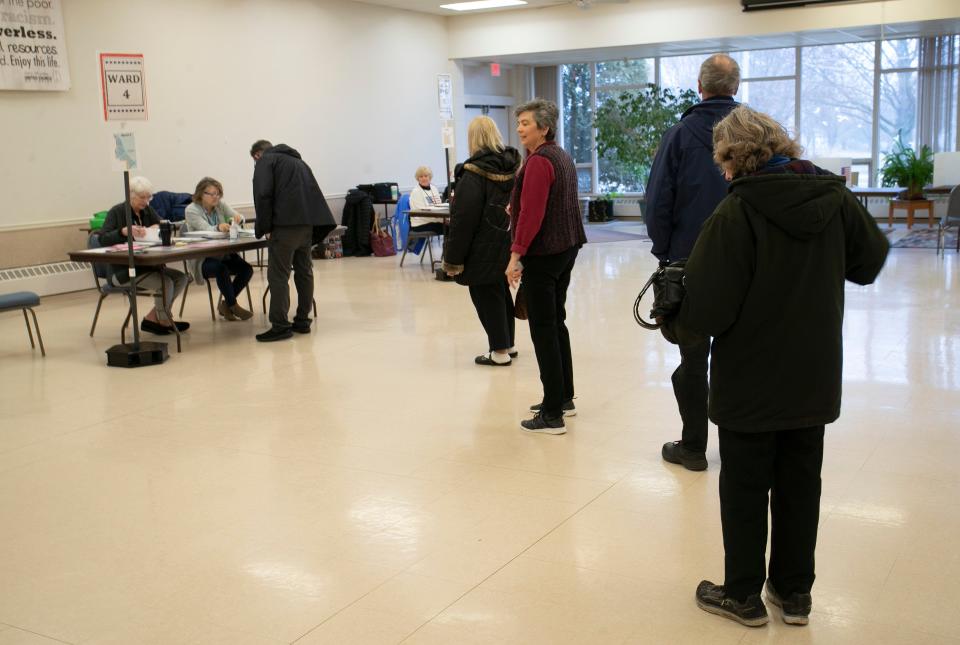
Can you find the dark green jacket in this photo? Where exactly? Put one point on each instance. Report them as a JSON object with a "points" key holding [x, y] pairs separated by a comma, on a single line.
{"points": [[765, 279]]}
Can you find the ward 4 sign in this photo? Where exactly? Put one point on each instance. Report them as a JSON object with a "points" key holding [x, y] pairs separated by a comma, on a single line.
{"points": [[124, 89]]}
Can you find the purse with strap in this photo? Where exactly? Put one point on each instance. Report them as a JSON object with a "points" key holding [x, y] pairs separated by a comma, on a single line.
{"points": [[381, 241]]}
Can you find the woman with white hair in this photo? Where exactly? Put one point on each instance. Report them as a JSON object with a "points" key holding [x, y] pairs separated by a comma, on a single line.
{"points": [[424, 194], [160, 319]]}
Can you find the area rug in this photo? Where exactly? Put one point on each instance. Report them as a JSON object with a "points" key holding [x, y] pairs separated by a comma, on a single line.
{"points": [[919, 238], [615, 232]]}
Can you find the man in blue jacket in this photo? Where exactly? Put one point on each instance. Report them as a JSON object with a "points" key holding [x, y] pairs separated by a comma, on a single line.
{"points": [[685, 186]]}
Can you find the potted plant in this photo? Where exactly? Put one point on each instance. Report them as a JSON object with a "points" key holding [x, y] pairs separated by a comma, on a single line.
{"points": [[904, 168], [630, 126]]}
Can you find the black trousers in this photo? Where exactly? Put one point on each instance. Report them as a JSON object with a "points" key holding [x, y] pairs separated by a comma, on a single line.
{"points": [[290, 248], [691, 389], [545, 282], [224, 267], [786, 464], [495, 308]]}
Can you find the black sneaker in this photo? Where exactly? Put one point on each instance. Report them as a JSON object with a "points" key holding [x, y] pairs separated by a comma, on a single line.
{"points": [[544, 425], [567, 409], [675, 453], [301, 327], [795, 608], [273, 334], [750, 612]]}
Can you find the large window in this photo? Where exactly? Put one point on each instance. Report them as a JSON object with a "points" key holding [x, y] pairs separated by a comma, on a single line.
{"points": [[838, 124], [614, 77], [845, 101]]}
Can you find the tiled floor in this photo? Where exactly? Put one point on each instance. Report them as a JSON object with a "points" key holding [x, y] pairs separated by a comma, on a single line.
{"points": [[369, 484]]}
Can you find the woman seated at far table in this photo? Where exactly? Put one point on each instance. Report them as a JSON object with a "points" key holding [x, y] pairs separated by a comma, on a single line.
{"points": [[425, 194], [209, 213], [114, 231]]}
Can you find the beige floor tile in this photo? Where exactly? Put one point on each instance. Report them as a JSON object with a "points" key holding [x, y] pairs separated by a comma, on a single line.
{"points": [[13, 636], [369, 484]]}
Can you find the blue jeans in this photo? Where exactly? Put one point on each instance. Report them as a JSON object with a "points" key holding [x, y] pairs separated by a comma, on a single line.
{"points": [[222, 268]]}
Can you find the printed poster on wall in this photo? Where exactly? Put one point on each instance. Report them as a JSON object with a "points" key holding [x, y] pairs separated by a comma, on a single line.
{"points": [[124, 89], [33, 49], [445, 96]]}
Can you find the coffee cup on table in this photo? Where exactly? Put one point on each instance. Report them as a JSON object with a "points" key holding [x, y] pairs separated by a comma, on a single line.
{"points": [[166, 233]]}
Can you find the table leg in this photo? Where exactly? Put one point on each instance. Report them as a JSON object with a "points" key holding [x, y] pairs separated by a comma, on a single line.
{"points": [[163, 294]]}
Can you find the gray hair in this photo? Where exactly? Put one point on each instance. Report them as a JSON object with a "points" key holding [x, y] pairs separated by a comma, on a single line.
{"points": [[140, 186], [545, 113], [720, 76]]}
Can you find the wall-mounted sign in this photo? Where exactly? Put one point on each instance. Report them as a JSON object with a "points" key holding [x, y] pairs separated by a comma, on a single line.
{"points": [[33, 50], [445, 96], [123, 86]]}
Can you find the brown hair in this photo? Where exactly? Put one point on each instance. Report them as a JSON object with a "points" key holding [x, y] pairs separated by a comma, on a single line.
{"points": [[745, 140], [202, 186], [545, 114]]}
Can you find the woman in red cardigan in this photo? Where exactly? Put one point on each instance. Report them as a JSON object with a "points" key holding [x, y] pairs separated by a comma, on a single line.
{"points": [[547, 235]]}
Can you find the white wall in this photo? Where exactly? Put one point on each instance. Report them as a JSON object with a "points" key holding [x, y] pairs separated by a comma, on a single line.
{"points": [[564, 27], [351, 86]]}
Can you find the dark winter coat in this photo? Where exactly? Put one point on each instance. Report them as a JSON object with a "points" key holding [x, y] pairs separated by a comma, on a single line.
{"points": [[358, 218], [110, 234], [477, 246], [285, 192], [766, 281], [685, 184]]}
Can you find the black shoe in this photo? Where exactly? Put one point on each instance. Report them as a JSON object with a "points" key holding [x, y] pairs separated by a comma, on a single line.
{"points": [[543, 424], [301, 327], [513, 354], [795, 608], [750, 612], [675, 453], [154, 328], [273, 334], [181, 325], [487, 359], [567, 408]]}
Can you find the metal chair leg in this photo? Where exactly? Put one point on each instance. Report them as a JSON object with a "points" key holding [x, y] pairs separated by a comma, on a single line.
{"points": [[183, 300], [405, 249], [96, 314], [249, 297], [213, 316], [265, 294], [314, 307], [43, 352], [29, 332]]}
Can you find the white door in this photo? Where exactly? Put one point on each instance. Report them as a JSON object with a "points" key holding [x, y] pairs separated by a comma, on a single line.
{"points": [[500, 115]]}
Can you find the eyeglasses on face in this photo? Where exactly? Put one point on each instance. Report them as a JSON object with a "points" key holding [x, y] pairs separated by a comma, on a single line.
{"points": [[212, 193]]}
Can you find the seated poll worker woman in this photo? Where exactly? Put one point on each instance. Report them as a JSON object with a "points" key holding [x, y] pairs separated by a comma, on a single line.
{"points": [[208, 212], [766, 280], [424, 194], [114, 231], [547, 235], [477, 247]]}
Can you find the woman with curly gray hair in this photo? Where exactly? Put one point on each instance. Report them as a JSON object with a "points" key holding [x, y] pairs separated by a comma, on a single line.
{"points": [[766, 281], [547, 235]]}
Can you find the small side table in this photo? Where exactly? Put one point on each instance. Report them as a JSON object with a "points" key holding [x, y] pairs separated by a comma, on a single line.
{"points": [[911, 206]]}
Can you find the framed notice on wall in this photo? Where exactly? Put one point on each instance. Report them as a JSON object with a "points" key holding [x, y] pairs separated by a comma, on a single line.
{"points": [[445, 96], [123, 87], [33, 50]]}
